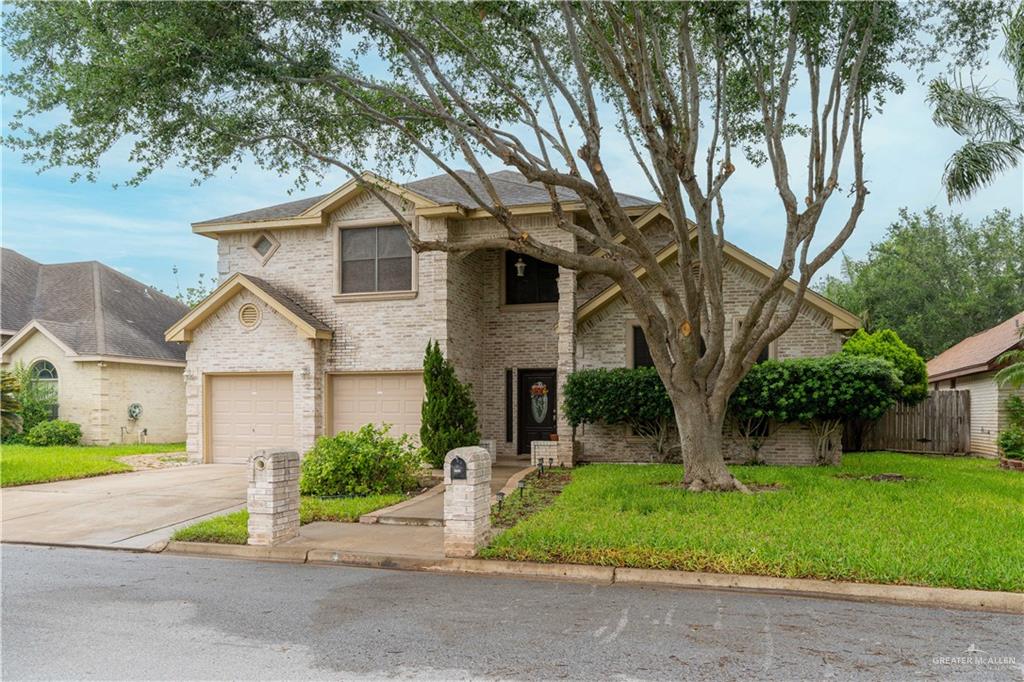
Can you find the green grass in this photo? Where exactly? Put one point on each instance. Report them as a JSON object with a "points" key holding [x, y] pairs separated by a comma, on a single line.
{"points": [[958, 522], [232, 529], [23, 464]]}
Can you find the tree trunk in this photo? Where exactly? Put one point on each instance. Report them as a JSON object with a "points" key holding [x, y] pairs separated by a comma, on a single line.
{"points": [[700, 434]]}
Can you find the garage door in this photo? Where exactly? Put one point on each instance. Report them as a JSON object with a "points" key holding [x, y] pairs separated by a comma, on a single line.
{"points": [[393, 398], [248, 413]]}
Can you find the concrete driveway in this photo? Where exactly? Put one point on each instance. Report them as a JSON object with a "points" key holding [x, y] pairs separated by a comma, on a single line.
{"points": [[131, 510]]}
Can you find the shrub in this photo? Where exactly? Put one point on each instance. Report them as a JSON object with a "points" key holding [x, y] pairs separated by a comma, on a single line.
{"points": [[54, 432], [364, 462], [635, 397], [823, 393], [885, 343], [448, 413], [1011, 439]]}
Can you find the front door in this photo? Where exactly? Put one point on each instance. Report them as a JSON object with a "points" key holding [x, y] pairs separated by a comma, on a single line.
{"points": [[537, 404]]}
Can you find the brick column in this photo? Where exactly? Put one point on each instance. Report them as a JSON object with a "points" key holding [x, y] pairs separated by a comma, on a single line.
{"points": [[565, 328], [467, 501], [273, 498]]}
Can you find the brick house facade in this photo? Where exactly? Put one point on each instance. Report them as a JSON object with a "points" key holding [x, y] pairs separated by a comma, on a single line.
{"points": [[356, 356]]}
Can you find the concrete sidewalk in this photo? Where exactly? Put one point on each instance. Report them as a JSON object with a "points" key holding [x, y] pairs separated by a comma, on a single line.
{"points": [[428, 509], [122, 511]]}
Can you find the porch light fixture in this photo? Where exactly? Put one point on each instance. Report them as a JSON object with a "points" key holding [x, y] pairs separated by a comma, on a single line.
{"points": [[520, 266]]}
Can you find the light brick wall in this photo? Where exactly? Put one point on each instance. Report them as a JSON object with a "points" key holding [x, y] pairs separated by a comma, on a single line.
{"points": [[601, 342], [96, 395], [222, 344], [160, 391]]}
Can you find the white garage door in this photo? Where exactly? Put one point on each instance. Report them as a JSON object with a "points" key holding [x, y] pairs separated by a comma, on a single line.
{"points": [[392, 398], [249, 412]]}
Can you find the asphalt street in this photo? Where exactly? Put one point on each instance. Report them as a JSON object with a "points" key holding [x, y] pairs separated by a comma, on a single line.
{"points": [[88, 614]]}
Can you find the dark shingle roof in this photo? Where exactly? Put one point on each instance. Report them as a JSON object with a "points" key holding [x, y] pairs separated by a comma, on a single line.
{"points": [[91, 308], [977, 353], [511, 186]]}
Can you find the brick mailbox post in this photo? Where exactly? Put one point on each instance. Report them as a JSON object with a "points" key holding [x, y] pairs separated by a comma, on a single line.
{"points": [[467, 501], [273, 497]]}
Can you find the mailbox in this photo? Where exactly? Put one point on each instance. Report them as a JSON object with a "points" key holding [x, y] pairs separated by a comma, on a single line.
{"points": [[458, 469]]}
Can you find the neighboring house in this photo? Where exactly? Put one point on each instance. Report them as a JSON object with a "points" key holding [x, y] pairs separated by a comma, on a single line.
{"points": [[323, 313], [97, 335], [972, 364]]}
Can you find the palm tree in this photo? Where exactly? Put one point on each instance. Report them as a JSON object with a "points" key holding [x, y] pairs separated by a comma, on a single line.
{"points": [[1012, 374], [992, 124], [10, 405]]}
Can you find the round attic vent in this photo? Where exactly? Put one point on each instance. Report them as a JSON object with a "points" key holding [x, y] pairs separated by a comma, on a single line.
{"points": [[249, 315]]}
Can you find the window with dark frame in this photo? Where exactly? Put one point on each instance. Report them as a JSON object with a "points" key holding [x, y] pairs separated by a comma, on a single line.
{"points": [[642, 351], [375, 259], [538, 283]]}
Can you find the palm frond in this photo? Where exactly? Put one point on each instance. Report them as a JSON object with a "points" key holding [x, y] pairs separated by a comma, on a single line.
{"points": [[974, 111], [1013, 52], [1013, 374], [976, 164]]}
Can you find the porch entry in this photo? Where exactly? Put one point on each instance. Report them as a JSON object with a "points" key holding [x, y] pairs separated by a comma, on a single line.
{"points": [[537, 403]]}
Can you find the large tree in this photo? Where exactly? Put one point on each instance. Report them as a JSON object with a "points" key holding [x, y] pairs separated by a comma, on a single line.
{"points": [[539, 87], [937, 279]]}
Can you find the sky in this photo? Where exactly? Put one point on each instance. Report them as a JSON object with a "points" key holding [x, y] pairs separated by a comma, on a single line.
{"points": [[145, 231]]}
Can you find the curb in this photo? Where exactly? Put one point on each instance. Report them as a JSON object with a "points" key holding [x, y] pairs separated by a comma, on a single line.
{"points": [[905, 595], [908, 595]]}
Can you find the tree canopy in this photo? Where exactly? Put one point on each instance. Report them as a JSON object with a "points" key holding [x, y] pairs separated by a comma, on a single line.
{"points": [[936, 279], [538, 87]]}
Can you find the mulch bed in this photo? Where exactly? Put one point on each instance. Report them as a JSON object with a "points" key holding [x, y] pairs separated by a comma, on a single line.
{"points": [[540, 493]]}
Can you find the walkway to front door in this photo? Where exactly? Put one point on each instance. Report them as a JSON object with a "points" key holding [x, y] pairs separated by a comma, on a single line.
{"points": [[428, 508], [537, 404]]}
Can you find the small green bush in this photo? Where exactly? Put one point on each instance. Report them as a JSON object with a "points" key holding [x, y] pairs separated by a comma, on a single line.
{"points": [[1011, 443], [55, 432], [364, 462]]}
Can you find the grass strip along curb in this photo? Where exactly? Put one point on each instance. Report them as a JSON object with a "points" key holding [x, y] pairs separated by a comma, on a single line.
{"points": [[913, 595]]}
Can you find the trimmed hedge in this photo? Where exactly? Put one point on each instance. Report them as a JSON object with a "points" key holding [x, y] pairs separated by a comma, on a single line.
{"points": [[837, 387], [885, 343]]}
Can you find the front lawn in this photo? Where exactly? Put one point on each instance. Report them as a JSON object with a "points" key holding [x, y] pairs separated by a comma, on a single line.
{"points": [[232, 529], [23, 464], [954, 522]]}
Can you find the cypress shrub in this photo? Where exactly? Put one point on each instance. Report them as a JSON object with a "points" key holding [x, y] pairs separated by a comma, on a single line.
{"points": [[449, 413]]}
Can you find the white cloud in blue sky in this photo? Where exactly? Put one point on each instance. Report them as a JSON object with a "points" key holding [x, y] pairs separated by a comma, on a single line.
{"points": [[144, 231]]}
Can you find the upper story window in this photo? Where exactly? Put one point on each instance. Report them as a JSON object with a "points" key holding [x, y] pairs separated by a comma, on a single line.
{"points": [[264, 245], [528, 280], [375, 259]]}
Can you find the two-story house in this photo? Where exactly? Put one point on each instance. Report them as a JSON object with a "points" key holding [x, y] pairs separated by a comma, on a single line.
{"points": [[323, 313]]}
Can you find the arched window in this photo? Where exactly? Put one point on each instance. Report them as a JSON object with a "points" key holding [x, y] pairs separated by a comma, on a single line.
{"points": [[46, 374], [44, 371]]}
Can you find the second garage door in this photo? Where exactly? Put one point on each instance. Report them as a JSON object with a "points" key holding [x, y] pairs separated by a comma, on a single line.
{"points": [[393, 398], [247, 413]]}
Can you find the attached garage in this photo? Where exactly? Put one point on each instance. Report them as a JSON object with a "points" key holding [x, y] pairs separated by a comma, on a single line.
{"points": [[248, 412], [393, 398]]}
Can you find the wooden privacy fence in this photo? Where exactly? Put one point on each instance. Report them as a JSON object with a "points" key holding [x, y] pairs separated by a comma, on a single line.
{"points": [[940, 424]]}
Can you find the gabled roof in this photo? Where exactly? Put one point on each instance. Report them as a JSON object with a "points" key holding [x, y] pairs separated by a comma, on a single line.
{"points": [[436, 193], [307, 325], [842, 319], [977, 353], [92, 310]]}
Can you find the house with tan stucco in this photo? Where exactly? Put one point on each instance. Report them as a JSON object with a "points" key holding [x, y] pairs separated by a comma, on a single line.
{"points": [[97, 336], [323, 312]]}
